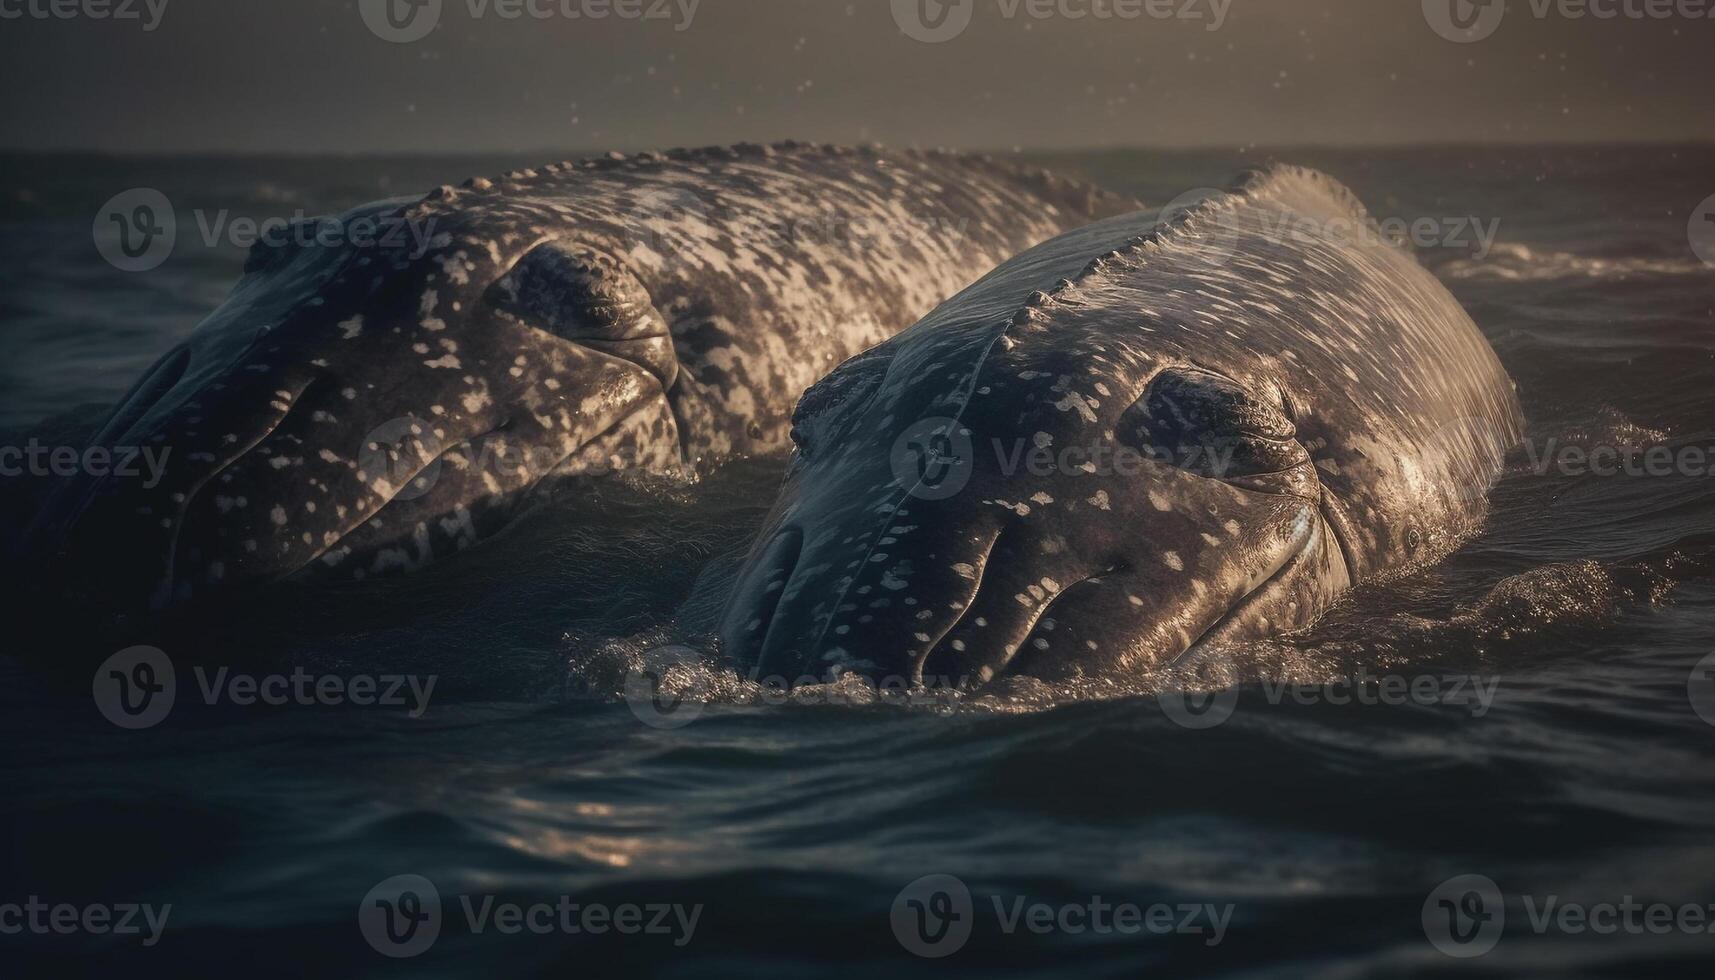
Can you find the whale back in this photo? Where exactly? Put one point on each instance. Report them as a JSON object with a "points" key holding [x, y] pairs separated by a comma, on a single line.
{"points": [[1286, 283]]}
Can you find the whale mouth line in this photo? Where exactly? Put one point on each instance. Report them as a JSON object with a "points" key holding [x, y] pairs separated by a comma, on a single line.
{"points": [[327, 545], [1041, 614], [1288, 564], [169, 576]]}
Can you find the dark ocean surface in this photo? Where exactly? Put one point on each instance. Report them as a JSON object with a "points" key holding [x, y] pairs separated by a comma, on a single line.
{"points": [[1551, 742]]}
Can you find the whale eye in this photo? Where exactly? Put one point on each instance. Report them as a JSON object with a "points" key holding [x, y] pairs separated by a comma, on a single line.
{"points": [[1209, 424], [590, 298], [850, 384]]}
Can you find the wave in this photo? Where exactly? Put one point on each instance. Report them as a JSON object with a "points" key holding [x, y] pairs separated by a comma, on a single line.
{"points": [[668, 679], [1512, 262]]}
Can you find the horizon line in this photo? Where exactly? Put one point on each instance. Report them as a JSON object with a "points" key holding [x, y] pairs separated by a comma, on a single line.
{"points": [[569, 153]]}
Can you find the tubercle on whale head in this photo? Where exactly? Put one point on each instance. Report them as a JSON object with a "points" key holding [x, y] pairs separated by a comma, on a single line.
{"points": [[353, 410]]}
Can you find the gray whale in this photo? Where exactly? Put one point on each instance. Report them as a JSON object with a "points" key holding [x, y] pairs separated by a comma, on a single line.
{"points": [[1300, 404], [351, 410]]}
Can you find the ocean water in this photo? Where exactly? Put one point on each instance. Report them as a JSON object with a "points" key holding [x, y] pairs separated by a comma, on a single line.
{"points": [[1555, 734]]}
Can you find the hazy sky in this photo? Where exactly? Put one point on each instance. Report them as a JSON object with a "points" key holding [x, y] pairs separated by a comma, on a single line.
{"points": [[311, 75]]}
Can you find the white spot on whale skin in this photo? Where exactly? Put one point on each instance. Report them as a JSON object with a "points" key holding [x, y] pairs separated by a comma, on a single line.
{"points": [[1076, 402], [966, 570], [448, 361], [1100, 500], [1159, 502], [1042, 498], [352, 328], [278, 516], [1172, 560]]}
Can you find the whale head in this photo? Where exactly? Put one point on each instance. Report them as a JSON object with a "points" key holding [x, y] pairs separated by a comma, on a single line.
{"points": [[358, 407], [1060, 508], [1201, 436]]}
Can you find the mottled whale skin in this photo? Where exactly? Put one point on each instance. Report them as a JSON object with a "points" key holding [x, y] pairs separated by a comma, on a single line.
{"points": [[658, 312], [1305, 406]]}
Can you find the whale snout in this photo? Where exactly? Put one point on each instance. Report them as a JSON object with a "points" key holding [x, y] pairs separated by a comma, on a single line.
{"points": [[1085, 579], [308, 468], [1029, 538]]}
